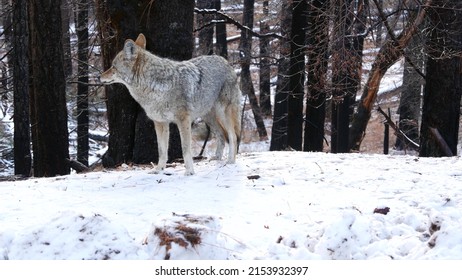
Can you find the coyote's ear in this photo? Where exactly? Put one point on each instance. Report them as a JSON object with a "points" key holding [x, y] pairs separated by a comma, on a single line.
{"points": [[129, 48], [141, 41]]}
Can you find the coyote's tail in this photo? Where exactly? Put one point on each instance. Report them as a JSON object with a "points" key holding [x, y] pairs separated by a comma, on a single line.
{"points": [[233, 110]]}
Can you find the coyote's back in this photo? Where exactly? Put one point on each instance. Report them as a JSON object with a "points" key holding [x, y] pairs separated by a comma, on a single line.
{"points": [[179, 92]]}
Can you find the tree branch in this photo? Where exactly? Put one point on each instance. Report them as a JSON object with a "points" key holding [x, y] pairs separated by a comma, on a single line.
{"points": [[227, 19], [441, 142], [399, 132], [395, 39], [389, 53]]}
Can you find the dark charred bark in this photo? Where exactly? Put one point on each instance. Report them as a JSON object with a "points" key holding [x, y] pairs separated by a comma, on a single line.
{"points": [[280, 119], [51, 143], [389, 53], [118, 21], [318, 31], [347, 65], [265, 65], [409, 105], [220, 33], [66, 10], [205, 27], [297, 75], [82, 86], [20, 57], [443, 87], [246, 80]]}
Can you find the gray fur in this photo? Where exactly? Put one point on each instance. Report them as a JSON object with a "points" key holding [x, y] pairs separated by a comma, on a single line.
{"points": [[180, 92]]}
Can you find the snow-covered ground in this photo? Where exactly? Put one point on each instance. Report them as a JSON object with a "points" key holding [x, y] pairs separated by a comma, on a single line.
{"points": [[269, 205]]}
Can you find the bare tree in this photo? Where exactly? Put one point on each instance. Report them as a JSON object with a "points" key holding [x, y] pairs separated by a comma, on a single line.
{"points": [[20, 57], [48, 99], [220, 33], [318, 41], [82, 86], [346, 68], [389, 53], [115, 26], [205, 27], [297, 75], [246, 80], [443, 87], [280, 114], [265, 63], [66, 15], [409, 109]]}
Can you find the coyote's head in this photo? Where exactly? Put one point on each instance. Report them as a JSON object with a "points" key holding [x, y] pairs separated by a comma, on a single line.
{"points": [[123, 69]]}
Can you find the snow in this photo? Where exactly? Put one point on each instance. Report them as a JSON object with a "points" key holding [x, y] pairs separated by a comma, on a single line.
{"points": [[269, 205]]}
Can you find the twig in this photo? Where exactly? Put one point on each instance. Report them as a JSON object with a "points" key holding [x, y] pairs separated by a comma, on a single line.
{"points": [[398, 131]]}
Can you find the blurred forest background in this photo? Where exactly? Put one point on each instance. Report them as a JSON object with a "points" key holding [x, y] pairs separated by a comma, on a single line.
{"points": [[336, 76]]}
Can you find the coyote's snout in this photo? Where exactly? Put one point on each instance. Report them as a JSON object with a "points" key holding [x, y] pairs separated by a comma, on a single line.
{"points": [[180, 92]]}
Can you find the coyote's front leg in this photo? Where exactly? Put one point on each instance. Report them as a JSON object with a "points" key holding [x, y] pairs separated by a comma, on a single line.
{"points": [[184, 126], [162, 131]]}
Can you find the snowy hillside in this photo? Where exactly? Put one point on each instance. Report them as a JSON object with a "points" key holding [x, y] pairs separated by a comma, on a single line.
{"points": [[281, 205]]}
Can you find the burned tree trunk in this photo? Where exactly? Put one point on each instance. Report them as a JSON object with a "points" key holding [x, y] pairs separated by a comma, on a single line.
{"points": [[246, 80], [347, 65], [279, 129], [297, 75], [318, 24], [389, 53], [205, 27], [83, 145], [20, 57], [265, 67], [443, 87], [116, 23], [221, 45], [409, 104], [48, 90]]}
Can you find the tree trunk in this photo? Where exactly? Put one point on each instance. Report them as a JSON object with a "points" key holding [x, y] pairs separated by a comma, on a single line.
{"points": [[265, 67], [220, 33], [205, 27], [82, 86], [297, 75], [118, 21], [246, 80], [66, 10], [279, 129], [318, 32], [347, 66], [7, 24], [409, 104], [389, 53], [51, 143], [132, 136], [443, 87], [379, 28], [6, 47], [22, 153]]}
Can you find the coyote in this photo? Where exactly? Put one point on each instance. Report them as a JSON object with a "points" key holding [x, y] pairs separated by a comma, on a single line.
{"points": [[181, 91]]}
